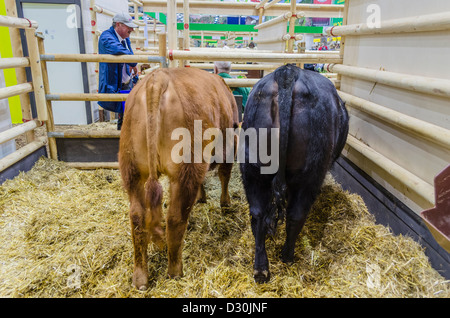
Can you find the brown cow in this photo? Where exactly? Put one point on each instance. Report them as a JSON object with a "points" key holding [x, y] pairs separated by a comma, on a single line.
{"points": [[165, 100]]}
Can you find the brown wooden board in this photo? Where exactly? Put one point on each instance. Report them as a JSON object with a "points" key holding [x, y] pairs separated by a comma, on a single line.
{"points": [[87, 149], [438, 218]]}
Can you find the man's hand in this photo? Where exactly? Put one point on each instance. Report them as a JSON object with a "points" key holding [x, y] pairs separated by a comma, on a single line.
{"points": [[133, 70]]}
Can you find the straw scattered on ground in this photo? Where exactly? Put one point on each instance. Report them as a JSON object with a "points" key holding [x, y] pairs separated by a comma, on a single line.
{"points": [[66, 233]]}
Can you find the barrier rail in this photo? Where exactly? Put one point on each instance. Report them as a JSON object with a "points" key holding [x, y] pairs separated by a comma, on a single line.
{"points": [[19, 23], [21, 153], [280, 18], [422, 23], [422, 84], [106, 58], [22, 88], [253, 57], [99, 9], [18, 89], [244, 8], [14, 62], [420, 187], [430, 132], [19, 130], [235, 66]]}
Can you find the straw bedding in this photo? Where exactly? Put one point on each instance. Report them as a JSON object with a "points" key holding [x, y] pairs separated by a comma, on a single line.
{"points": [[65, 233]]}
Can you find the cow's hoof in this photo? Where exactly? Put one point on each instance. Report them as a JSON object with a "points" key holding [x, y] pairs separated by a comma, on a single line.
{"points": [[175, 274], [261, 276], [225, 200], [287, 260], [287, 257], [143, 288], [140, 280]]}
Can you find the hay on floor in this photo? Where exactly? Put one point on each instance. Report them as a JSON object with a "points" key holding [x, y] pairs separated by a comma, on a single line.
{"points": [[65, 233]]}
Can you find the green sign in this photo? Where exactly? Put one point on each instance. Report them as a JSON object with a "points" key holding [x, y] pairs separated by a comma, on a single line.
{"points": [[161, 17], [217, 27], [233, 27], [336, 21]]}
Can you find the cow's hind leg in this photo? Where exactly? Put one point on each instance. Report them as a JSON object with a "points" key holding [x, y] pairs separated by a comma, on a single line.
{"points": [[299, 204], [201, 195], [224, 176], [183, 193], [259, 195], [156, 231], [139, 218]]}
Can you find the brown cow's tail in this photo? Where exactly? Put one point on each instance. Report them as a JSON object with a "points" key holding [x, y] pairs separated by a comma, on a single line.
{"points": [[285, 77], [156, 86]]}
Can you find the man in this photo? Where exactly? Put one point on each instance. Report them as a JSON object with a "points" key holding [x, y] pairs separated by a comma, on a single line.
{"points": [[114, 77], [251, 46], [223, 69]]}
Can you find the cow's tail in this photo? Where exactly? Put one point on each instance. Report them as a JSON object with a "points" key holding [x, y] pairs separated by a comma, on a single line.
{"points": [[342, 129], [285, 78], [156, 85]]}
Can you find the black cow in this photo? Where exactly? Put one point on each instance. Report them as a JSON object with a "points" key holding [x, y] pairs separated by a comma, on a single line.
{"points": [[313, 124]]}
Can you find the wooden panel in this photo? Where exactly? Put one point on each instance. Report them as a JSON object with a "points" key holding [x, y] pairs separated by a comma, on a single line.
{"points": [[87, 150]]}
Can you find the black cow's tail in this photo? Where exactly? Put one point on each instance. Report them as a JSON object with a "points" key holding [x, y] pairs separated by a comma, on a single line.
{"points": [[285, 77]]}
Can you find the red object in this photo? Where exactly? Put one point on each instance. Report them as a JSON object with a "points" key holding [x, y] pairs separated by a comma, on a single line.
{"points": [[322, 1], [92, 22], [437, 219], [331, 31], [29, 22], [186, 26], [171, 55]]}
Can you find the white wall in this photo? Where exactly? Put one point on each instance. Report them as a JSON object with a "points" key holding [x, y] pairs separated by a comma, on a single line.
{"points": [[61, 36], [424, 54]]}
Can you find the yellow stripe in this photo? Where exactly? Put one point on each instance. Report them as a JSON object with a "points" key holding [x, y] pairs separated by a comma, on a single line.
{"points": [[10, 74]]}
